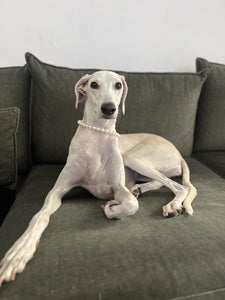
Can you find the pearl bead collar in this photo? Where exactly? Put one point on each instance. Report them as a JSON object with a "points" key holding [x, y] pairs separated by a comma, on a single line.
{"points": [[110, 132]]}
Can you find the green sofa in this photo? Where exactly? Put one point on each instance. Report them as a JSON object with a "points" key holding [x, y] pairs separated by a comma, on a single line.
{"points": [[82, 254]]}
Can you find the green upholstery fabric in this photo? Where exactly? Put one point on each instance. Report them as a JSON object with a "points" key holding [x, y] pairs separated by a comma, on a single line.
{"points": [[159, 103], [210, 125], [164, 104], [84, 255], [14, 92], [53, 114], [214, 160], [9, 121]]}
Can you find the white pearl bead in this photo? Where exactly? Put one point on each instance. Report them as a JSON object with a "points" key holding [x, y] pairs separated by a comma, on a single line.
{"points": [[98, 129]]}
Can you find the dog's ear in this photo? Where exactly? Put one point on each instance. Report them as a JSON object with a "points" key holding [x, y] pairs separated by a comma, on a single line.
{"points": [[81, 89], [124, 95]]}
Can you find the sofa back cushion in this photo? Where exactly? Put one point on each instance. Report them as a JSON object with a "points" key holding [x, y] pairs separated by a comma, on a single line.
{"points": [[53, 114], [210, 124], [9, 121], [14, 92], [164, 104], [159, 103]]}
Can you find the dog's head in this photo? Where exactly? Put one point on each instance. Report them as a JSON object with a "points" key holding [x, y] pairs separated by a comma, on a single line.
{"points": [[103, 92]]}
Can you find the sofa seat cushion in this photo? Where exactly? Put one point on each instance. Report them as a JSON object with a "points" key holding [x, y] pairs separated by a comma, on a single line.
{"points": [[84, 255], [214, 160]]}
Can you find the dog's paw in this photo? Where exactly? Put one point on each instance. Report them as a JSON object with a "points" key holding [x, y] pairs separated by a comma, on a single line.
{"points": [[136, 191], [16, 258], [172, 209], [111, 209]]}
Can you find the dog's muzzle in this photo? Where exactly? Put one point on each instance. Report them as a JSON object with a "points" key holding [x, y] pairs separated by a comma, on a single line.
{"points": [[108, 109]]}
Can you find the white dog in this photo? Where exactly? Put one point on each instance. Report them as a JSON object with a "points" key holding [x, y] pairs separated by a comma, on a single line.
{"points": [[108, 165]]}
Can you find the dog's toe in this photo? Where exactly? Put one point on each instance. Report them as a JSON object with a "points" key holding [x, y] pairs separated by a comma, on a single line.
{"points": [[136, 191], [175, 213], [172, 210]]}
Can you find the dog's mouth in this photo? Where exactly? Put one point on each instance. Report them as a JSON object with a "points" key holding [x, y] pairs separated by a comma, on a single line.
{"points": [[112, 117]]}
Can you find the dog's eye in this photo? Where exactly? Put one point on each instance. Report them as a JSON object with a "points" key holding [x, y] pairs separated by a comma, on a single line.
{"points": [[94, 85], [118, 85]]}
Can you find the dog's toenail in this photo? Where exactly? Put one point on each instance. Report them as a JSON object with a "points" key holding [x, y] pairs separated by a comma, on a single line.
{"points": [[170, 215]]}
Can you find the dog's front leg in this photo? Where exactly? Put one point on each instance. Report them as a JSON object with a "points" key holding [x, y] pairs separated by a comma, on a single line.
{"points": [[24, 248], [123, 205]]}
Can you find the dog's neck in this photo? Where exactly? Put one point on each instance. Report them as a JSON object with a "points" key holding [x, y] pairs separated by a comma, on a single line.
{"points": [[98, 129]]}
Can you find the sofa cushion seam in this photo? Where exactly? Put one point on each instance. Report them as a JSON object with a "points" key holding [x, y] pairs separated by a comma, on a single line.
{"points": [[199, 294]]}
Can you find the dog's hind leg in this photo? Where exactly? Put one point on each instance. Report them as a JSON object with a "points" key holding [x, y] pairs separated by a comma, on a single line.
{"points": [[141, 188], [143, 167]]}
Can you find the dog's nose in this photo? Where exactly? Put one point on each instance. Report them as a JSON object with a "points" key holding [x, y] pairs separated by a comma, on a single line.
{"points": [[108, 109]]}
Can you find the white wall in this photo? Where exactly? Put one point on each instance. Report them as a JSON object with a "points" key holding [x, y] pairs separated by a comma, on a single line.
{"points": [[143, 35]]}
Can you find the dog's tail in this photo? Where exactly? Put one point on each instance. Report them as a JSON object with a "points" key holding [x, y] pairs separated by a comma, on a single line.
{"points": [[192, 190]]}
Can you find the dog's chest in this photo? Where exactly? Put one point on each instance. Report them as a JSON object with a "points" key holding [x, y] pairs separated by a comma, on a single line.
{"points": [[97, 179]]}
